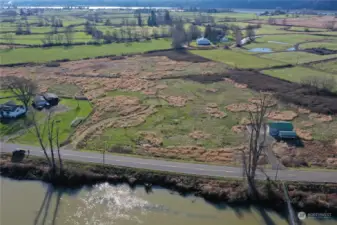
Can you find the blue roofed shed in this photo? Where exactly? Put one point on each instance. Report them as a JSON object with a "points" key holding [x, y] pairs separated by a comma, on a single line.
{"points": [[282, 130]]}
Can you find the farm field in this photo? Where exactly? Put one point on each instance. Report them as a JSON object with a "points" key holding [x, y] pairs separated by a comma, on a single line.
{"points": [[237, 59], [329, 45], [328, 66], [297, 57], [40, 55], [298, 74], [36, 39]]}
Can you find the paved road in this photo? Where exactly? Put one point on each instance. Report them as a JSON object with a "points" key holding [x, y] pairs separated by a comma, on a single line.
{"points": [[179, 167]]}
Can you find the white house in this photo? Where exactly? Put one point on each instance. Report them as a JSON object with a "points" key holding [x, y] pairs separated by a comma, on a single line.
{"points": [[203, 41], [10, 110]]}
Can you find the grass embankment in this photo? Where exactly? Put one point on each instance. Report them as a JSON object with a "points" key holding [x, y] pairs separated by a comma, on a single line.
{"points": [[65, 119], [304, 196], [237, 59], [40, 55]]}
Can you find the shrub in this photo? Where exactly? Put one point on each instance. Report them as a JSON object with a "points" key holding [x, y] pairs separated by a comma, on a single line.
{"points": [[53, 64], [326, 83]]}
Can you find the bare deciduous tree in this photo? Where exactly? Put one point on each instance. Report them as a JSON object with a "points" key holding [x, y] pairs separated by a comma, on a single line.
{"points": [[47, 133], [22, 88], [257, 140], [69, 35], [330, 25]]}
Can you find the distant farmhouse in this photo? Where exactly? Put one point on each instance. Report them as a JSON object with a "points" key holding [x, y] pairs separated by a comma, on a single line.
{"points": [[45, 100], [11, 110]]}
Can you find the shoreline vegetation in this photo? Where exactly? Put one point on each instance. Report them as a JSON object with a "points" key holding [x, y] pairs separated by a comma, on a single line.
{"points": [[308, 197]]}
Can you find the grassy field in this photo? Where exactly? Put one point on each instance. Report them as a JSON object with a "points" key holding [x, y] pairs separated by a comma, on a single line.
{"points": [[237, 59], [329, 66], [41, 55], [65, 119], [297, 57], [296, 74], [328, 45], [174, 124], [36, 39], [291, 38]]}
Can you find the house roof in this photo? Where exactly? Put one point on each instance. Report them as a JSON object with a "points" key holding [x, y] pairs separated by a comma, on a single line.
{"points": [[287, 134], [281, 126]]}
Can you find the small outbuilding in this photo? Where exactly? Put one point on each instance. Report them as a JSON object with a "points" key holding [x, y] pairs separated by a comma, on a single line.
{"points": [[282, 130], [203, 42]]}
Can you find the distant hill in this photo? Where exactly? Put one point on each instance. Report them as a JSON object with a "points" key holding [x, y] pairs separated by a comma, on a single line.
{"points": [[247, 4]]}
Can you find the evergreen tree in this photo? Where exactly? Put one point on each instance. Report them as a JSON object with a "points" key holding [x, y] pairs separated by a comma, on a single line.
{"points": [[139, 19], [154, 18], [208, 31], [167, 18], [149, 21]]}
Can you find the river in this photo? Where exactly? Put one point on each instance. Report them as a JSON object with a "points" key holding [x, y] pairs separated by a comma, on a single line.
{"points": [[37, 203]]}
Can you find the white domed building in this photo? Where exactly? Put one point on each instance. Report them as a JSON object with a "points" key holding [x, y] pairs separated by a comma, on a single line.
{"points": [[203, 42]]}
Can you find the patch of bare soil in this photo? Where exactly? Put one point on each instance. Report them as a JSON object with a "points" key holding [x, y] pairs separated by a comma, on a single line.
{"points": [[268, 102], [222, 155], [11, 47], [303, 111], [316, 101], [199, 135], [304, 134], [282, 115], [181, 55], [307, 124], [177, 101], [213, 110], [242, 107], [239, 129], [237, 85], [151, 139], [320, 117]]}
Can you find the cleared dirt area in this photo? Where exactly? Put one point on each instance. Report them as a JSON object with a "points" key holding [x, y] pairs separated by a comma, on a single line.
{"points": [[314, 21], [310, 98]]}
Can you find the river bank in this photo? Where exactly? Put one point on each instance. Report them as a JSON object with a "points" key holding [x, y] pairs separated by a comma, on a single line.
{"points": [[308, 197]]}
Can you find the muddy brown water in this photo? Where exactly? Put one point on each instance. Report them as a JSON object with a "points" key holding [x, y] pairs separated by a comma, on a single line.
{"points": [[37, 203]]}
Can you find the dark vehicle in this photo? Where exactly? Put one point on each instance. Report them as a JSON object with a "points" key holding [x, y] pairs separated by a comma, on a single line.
{"points": [[19, 153], [45, 100]]}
